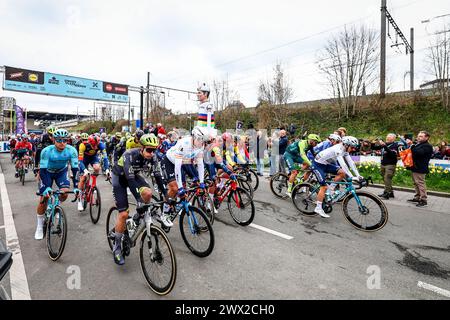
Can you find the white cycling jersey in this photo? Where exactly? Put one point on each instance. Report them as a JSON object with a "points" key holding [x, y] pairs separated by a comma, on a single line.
{"points": [[183, 153], [339, 154], [206, 115]]}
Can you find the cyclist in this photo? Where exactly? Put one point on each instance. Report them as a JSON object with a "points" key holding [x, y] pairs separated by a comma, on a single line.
{"points": [[84, 137], [24, 150], [130, 143], [205, 109], [53, 167], [332, 140], [185, 151], [113, 142], [126, 174], [325, 162], [88, 155], [45, 141], [171, 140], [12, 146], [296, 152]]}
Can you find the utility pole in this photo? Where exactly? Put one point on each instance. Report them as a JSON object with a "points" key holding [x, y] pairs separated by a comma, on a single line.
{"points": [[129, 114], [383, 50], [411, 66], [148, 94], [141, 124]]}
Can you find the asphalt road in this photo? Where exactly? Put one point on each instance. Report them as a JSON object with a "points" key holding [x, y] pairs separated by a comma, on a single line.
{"points": [[325, 259]]}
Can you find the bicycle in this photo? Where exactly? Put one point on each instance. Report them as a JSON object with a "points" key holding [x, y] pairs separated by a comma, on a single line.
{"points": [[356, 205], [250, 175], [157, 255], [55, 224], [91, 194], [21, 171], [279, 182], [235, 195]]}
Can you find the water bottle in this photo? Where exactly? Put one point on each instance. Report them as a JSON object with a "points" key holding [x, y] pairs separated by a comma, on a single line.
{"points": [[131, 227]]}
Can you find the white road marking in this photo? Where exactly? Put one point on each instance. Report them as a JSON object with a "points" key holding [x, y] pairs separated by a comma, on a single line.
{"points": [[17, 275], [435, 289], [276, 233]]}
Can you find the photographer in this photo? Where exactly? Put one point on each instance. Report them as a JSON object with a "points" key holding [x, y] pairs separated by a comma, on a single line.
{"points": [[389, 158]]}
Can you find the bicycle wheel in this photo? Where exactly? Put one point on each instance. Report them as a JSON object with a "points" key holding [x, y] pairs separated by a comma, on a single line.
{"points": [[56, 234], [253, 179], [205, 203], [22, 176], [158, 262], [367, 214], [304, 197], [241, 207], [246, 186], [95, 205], [279, 185], [197, 232], [111, 220]]}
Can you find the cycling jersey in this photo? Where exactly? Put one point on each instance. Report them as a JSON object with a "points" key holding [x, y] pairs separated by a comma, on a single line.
{"points": [[206, 115], [131, 144], [183, 152], [88, 155], [320, 147], [53, 166], [337, 153], [214, 160], [23, 147], [162, 149], [300, 149], [45, 141]]}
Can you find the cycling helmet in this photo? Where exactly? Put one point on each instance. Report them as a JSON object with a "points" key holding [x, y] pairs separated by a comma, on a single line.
{"points": [[335, 137], [93, 140], [172, 134], [84, 136], [127, 135], [149, 140], [103, 135], [24, 136], [51, 129], [314, 137], [226, 136], [118, 135], [203, 88], [61, 133], [138, 134], [199, 133], [350, 141]]}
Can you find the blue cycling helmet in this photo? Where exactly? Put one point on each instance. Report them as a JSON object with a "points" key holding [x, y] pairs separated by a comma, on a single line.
{"points": [[61, 133]]}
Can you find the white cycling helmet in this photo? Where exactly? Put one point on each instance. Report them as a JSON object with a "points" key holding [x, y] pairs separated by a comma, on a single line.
{"points": [[335, 137], [204, 88], [204, 134], [350, 141]]}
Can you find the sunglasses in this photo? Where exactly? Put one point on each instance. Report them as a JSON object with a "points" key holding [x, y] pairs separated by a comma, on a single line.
{"points": [[149, 150], [61, 140]]}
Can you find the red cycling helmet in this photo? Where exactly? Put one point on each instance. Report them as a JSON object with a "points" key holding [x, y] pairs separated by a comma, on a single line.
{"points": [[226, 136], [93, 140]]}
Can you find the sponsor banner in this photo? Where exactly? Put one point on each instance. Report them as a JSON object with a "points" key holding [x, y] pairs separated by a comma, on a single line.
{"points": [[361, 159], [62, 85], [4, 146], [20, 124]]}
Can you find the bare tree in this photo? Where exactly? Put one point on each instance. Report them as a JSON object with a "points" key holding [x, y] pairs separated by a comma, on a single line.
{"points": [[221, 94], [349, 62], [438, 57], [275, 92]]}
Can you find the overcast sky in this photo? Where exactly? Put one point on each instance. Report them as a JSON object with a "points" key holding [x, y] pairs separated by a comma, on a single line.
{"points": [[183, 43]]}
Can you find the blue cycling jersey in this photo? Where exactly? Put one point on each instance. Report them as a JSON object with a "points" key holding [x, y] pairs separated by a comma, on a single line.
{"points": [[55, 161], [320, 147]]}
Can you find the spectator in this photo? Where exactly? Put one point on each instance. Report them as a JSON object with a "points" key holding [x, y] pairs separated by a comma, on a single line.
{"points": [[421, 154], [261, 143], [160, 129], [283, 143], [343, 131], [273, 148], [389, 154], [366, 148]]}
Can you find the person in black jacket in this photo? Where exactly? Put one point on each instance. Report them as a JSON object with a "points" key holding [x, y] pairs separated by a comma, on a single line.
{"points": [[421, 154], [389, 154]]}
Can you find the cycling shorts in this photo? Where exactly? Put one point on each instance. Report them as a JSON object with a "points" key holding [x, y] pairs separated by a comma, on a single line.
{"points": [[291, 160], [61, 178], [120, 185], [321, 170], [90, 160]]}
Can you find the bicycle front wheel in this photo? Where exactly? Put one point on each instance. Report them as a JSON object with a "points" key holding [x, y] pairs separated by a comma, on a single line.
{"points": [[246, 186], [197, 232], [241, 207], [111, 220], [205, 203], [365, 212], [304, 198], [158, 262], [95, 205], [56, 234], [279, 185], [253, 179]]}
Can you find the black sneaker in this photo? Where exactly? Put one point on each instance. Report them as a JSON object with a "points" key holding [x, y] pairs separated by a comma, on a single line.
{"points": [[422, 204], [384, 196], [391, 194], [413, 200], [16, 175]]}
